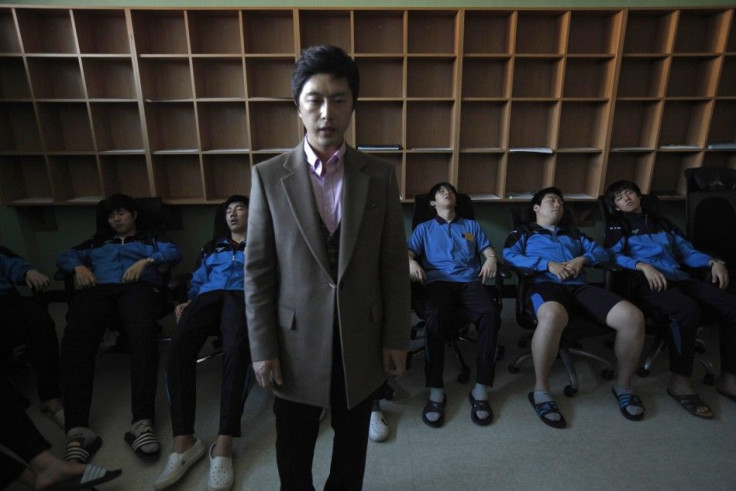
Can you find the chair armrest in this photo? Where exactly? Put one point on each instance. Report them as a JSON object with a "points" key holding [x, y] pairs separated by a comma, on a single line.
{"points": [[179, 281], [606, 266]]}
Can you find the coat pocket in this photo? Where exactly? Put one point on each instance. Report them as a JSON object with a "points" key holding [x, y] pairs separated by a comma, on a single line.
{"points": [[287, 318]]}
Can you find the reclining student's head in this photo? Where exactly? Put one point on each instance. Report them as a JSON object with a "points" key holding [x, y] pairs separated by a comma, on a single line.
{"points": [[442, 193], [548, 205], [122, 213], [624, 196], [235, 209]]}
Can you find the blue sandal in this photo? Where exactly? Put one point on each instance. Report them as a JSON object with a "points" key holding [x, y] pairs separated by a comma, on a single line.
{"points": [[626, 400], [545, 408]]}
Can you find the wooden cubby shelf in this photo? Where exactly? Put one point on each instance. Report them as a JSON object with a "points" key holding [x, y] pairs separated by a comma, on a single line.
{"points": [[181, 102]]}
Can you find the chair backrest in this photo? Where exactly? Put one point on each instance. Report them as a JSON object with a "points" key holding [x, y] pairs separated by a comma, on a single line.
{"points": [[423, 211], [711, 211], [524, 215], [151, 217]]}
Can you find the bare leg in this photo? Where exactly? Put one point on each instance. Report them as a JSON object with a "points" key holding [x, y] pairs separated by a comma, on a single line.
{"points": [[551, 321], [223, 446], [182, 443], [628, 321]]}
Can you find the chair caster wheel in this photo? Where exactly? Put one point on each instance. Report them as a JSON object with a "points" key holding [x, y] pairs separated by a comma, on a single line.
{"points": [[463, 377], [570, 391], [513, 369], [607, 374], [642, 372], [709, 379]]}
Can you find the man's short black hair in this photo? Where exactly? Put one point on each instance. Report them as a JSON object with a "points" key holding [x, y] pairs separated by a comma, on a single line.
{"points": [[539, 195], [619, 187], [324, 59], [117, 201], [235, 198], [438, 186]]}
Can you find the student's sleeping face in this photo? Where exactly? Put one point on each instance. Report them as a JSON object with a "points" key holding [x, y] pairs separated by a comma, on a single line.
{"points": [[236, 216], [628, 201]]}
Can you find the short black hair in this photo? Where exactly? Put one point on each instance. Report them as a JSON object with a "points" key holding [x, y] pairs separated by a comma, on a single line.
{"points": [[324, 59], [438, 186], [117, 201], [539, 195], [619, 187], [235, 198]]}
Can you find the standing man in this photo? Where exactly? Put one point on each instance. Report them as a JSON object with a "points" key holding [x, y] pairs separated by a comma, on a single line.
{"points": [[326, 278]]}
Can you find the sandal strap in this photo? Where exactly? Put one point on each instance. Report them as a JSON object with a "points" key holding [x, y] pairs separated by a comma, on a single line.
{"points": [[147, 437], [74, 451], [545, 408], [626, 400]]}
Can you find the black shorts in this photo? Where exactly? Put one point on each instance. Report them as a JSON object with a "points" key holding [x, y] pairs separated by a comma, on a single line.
{"points": [[594, 301]]}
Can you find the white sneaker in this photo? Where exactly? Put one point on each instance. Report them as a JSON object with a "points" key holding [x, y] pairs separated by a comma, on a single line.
{"points": [[379, 429], [179, 464], [221, 473]]}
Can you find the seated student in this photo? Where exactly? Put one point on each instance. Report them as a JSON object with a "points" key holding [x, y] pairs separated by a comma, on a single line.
{"points": [[119, 279], [448, 247], [559, 254], [216, 299], [26, 322], [651, 244]]}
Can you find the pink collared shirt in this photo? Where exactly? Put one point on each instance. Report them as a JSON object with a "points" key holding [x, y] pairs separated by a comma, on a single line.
{"points": [[327, 180]]}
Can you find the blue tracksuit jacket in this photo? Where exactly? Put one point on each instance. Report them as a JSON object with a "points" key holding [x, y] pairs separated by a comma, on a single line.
{"points": [[13, 271], [220, 267]]}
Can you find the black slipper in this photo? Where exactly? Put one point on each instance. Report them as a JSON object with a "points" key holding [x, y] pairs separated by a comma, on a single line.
{"points": [[626, 400], [480, 405], [727, 395], [691, 403], [146, 437], [545, 408], [435, 407], [75, 451], [93, 475]]}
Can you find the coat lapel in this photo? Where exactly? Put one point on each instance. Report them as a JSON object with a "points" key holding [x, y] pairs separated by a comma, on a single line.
{"points": [[355, 186]]}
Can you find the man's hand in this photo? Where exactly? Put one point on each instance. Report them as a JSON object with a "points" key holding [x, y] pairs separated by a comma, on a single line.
{"points": [[559, 269], [36, 281], [574, 266], [489, 269], [84, 278], [719, 272], [416, 272], [268, 373], [394, 362], [179, 309], [656, 280], [133, 273]]}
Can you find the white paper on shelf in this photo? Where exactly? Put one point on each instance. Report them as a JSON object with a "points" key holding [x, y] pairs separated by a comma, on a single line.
{"points": [[722, 146], [679, 147], [520, 195], [545, 150]]}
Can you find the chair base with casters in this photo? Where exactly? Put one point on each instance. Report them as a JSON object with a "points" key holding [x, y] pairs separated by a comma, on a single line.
{"points": [[461, 334], [660, 344]]}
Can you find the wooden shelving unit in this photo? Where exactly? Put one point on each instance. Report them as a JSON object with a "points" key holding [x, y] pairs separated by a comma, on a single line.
{"points": [[180, 103]]}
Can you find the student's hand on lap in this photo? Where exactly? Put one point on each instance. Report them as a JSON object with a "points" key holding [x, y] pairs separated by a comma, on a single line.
{"points": [[574, 266], [84, 278], [720, 275], [656, 280], [559, 269], [416, 272], [133, 273], [489, 269], [36, 281]]}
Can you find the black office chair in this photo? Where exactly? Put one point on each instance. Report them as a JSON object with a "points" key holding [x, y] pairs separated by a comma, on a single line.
{"points": [[656, 323], [461, 332], [579, 326]]}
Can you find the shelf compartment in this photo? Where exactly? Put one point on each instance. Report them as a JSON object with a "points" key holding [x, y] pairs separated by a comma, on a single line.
{"points": [[479, 174], [430, 77], [701, 31], [723, 122], [731, 41], [424, 171], [9, 42], [160, 32], [268, 32], [264, 117], [109, 78], [649, 32], [325, 27], [583, 126], [487, 32], [65, 127], [225, 175], [482, 125], [594, 32], [727, 84], [75, 178], [166, 79], [636, 167], [429, 125], [59, 78], [218, 78], [485, 77], [46, 31], [223, 126], [18, 128], [579, 174], [178, 177], [214, 31], [378, 124], [431, 32], [635, 124], [24, 178], [102, 31], [720, 159], [692, 77], [588, 78], [396, 160], [381, 77], [668, 175], [117, 126], [532, 125], [539, 32], [537, 77], [126, 174], [642, 77], [269, 77], [171, 127], [13, 79], [527, 173], [379, 31], [684, 123]]}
